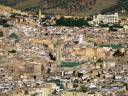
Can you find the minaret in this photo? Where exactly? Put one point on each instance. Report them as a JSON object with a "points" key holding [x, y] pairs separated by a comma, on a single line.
{"points": [[40, 14], [80, 39], [58, 54], [65, 37]]}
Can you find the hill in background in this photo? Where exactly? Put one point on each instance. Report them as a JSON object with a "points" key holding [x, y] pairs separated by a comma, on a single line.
{"points": [[68, 7], [121, 5]]}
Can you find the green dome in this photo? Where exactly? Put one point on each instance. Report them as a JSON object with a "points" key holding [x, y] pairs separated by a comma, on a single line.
{"points": [[13, 35]]}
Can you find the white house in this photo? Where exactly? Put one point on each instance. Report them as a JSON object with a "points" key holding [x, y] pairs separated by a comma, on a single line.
{"points": [[106, 19]]}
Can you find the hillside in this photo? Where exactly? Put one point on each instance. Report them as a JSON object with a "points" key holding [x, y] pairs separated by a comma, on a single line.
{"points": [[67, 7], [5, 9], [121, 5]]}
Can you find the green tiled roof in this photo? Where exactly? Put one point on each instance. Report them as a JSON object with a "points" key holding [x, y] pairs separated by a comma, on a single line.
{"points": [[112, 46], [13, 35], [69, 64]]}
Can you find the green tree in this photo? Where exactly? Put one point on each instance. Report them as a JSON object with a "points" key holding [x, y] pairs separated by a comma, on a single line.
{"points": [[118, 53]]}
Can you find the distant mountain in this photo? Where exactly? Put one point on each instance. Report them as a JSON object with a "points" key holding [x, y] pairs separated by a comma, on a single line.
{"points": [[68, 7]]}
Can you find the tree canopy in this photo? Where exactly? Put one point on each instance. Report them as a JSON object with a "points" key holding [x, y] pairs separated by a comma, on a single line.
{"points": [[70, 22]]}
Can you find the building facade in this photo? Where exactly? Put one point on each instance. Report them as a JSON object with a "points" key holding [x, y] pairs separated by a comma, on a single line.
{"points": [[106, 19]]}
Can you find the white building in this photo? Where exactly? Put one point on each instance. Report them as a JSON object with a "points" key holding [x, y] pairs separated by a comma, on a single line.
{"points": [[80, 39], [106, 19]]}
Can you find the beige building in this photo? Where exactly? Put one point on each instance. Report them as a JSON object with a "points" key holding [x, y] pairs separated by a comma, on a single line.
{"points": [[89, 52], [40, 91], [79, 94]]}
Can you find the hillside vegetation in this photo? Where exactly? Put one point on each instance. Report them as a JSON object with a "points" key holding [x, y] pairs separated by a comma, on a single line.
{"points": [[68, 7], [121, 5]]}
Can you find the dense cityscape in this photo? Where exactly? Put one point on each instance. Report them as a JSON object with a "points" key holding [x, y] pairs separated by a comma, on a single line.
{"points": [[59, 55]]}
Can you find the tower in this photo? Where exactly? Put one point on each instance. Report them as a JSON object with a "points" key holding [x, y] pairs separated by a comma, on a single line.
{"points": [[81, 39], [40, 14], [58, 54]]}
